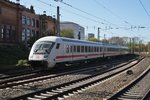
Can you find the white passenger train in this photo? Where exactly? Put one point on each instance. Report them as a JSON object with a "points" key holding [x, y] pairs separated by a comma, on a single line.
{"points": [[51, 50]]}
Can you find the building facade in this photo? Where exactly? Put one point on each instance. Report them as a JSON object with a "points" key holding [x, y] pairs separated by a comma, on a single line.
{"points": [[29, 26], [8, 22], [47, 25], [19, 24], [78, 31]]}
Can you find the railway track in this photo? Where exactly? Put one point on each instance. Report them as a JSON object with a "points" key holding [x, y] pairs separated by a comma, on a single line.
{"points": [[18, 74], [58, 91], [147, 95], [27, 79], [28, 72], [138, 89]]}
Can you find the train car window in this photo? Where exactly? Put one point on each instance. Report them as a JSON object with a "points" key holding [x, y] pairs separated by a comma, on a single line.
{"points": [[78, 48], [71, 49], [86, 50], [91, 49], [100, 49], [108, 49], [67, 48], [57, 46], [97, 49], [82, 48], [74, 48]]}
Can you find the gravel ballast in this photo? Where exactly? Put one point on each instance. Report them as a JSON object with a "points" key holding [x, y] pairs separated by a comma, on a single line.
{"points": [[94, 93], [108, 87]]}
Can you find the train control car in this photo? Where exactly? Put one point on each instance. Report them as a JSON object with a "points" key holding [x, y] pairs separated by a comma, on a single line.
{"points": [[51, 50]]}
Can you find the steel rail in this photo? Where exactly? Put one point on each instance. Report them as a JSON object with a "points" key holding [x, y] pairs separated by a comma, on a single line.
{"points": [[129, 86], [69, 87]]}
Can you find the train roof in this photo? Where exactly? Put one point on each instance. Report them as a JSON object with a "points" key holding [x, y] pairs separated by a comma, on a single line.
{"points": [[55, 39]]}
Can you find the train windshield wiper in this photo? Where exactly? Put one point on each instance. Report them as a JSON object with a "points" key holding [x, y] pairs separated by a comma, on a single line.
{"points": [[46, 50]]}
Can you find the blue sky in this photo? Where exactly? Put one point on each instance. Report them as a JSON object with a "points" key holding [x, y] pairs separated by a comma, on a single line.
{"points": [[114, 17]]}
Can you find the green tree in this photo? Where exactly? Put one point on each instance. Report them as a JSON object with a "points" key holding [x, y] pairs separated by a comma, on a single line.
{"points": [[67, 33], [148, 46]]}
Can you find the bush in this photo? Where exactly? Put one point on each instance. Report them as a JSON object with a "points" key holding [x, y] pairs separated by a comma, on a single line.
{"points": [[12, 55], [22, 63]]}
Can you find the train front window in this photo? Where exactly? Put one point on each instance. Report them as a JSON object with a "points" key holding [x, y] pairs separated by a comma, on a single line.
{"points": [[43, 47]]}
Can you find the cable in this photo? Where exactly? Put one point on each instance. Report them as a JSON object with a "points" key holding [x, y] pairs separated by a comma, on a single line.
{"points": [[144, 8], [85, 17], [87, 13], [97, 2]]}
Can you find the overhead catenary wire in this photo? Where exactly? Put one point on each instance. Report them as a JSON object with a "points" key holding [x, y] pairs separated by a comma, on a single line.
{"points": [[88, 18], [85, 17], [144, 8], [89, 14], [110, 11]]}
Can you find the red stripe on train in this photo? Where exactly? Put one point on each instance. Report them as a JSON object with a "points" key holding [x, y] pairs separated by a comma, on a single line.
{"points": [[75, 56]]}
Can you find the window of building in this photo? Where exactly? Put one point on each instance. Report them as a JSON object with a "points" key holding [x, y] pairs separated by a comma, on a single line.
{"points": [[37, 23], [2, 34], [33, 33], [23, 34], [1, 31], [0, 10], [28, 34], [23, 20], [33, 22], [13, 34], [7, 34], [37, 35], [28, 21]]}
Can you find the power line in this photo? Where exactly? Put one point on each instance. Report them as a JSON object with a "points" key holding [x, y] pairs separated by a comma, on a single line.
{"points": [[97, 2], [85, 17], [144, 8], [87, 13]]}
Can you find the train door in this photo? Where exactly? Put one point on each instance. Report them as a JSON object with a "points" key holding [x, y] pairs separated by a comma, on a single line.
{"points": [[103, 50], [68, 53], [71, 52]]}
